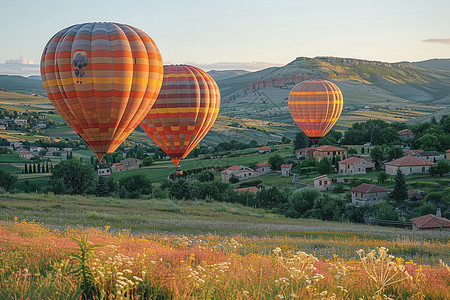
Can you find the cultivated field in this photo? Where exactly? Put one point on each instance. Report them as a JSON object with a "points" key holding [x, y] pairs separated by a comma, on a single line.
{"points": [[164, 249]]}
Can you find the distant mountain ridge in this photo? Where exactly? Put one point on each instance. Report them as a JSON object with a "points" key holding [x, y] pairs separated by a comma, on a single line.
{"points": [[221, 75]]}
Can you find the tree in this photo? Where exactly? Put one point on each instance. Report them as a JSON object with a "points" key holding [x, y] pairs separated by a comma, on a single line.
{"points": [[394, 153], [300, 201], [7, 180], [148, 161], [26, 168], [301, 141], [285, 140], [442, 167], [205, 176], [134, 186], [72, 177], [276, 161], [324, 166], [363, 150], [377, 155], [382, 177], [234, 179], [180, 190], [429, 142], [400, 191]]}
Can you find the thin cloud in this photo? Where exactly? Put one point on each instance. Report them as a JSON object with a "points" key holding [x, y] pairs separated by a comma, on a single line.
{"points": [[248, 66], [440, 41], [21, 66]]}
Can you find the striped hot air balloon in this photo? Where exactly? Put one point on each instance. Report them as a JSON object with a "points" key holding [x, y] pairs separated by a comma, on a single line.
{"points": [[185, 110], [102, 78], [315, 105]]}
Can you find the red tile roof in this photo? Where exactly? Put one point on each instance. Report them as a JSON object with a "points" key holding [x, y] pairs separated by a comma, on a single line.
{"points": [[351, 160], [286, 166], [326, 148], [431, 221], [264, 148], [233, 168], [263, 165], [412, 152], [251, 189], [305, 149], [409, 160], [368, 188], [405, 132], [447, 151], [324, 177], [416, 193]]}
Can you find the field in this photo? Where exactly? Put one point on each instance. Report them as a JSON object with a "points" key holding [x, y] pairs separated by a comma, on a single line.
{"points": [[164, 249]]}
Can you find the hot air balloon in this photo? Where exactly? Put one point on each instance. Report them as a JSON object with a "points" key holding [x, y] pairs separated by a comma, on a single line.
{"points": [[315, 105], [102, 78], [184, 111]]}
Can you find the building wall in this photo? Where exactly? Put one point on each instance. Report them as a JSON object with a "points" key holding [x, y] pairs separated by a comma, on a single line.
{"points": [[318, 155], [392, 170], [323, 185], [367, 198]]}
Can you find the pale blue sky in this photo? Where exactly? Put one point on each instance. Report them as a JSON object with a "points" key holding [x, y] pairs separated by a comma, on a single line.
{"points": [[236, 33]]}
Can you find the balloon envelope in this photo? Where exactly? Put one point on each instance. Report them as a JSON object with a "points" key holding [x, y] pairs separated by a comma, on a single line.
{"points": [[102, 78], [184, 111], [315, 106]]}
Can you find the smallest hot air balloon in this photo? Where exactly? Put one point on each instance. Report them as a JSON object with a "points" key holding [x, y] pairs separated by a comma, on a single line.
{"points": [[315, 105]]}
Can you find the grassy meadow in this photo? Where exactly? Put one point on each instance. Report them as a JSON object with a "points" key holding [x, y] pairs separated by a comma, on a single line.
{"points": [[74, 247]]}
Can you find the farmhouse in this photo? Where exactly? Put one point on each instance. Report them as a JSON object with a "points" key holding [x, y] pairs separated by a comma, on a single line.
{"points": [[323, 183], [286, 170], [320, 152], [432, 156], [415, 194], [36, 149], [26, 155], [368, 194], [264, 149], [355, 165], [104, 172], [118, 167], [263, 168], [408, 165], [447, 154], [406, 134], [52, 150], [240, 172], [430, 222], [131, 163]]}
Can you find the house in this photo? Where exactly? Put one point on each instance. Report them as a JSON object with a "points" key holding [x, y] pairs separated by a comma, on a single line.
{"points": [[432, 156], [355, 165], [21, 122], [40, 125], [52, 149], [286, 169], [2, 127], [104, 172], [408, 165], [447, 154], [251, 189], [26, 155], [430, 222], [263, 168], [16, 144], [412, 152], [36, 149], [368, 194], [264, 149], [304, 153], [131, 163], [406, 134], [240, 172], [367, 144], [118, 167], [415, 194], [323, 183], [22, 149], [320, 152], [67, 149]]}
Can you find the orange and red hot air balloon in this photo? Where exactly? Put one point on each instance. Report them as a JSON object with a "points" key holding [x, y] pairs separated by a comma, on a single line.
{"points": [[184, 111], [102, 78], [315, 106]]}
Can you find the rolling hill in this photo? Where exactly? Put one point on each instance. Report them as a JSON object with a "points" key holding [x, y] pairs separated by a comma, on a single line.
{"points": [[254, 104]]}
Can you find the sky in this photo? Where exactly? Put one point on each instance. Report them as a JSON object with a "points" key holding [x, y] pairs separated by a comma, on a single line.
{"points": [[238, 34]]}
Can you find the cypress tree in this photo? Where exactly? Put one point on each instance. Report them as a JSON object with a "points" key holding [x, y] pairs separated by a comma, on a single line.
{"points": [[34, 168], [46, 167], [400, 191], [30, 169], [26, 169]]}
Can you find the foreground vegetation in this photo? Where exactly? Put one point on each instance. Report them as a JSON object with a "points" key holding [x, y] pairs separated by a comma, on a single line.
{"points": [[39, 263]]}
